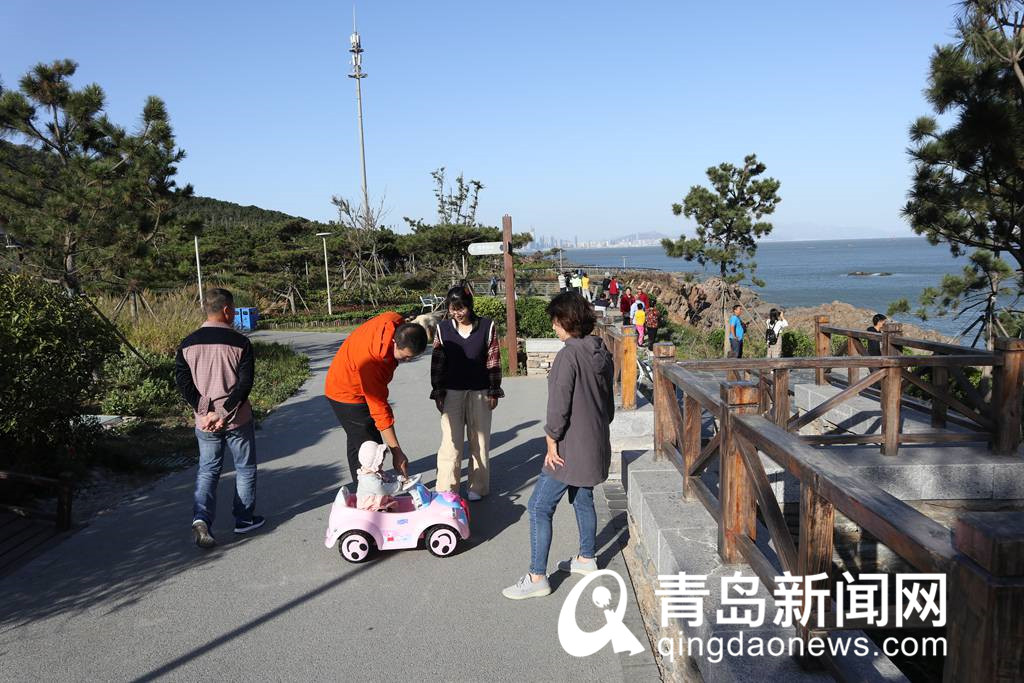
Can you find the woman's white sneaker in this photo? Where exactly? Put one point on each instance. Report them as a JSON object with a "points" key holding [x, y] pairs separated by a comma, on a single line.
{"points": [[526, 587]]}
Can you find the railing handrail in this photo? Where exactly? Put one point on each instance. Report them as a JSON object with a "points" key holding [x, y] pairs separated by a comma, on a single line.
{"points": [[912, 535], [908, 342], [815, 362]]}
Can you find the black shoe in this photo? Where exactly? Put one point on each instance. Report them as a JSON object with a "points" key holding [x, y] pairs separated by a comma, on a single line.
{"points": [[245, 527], [201, 534]]}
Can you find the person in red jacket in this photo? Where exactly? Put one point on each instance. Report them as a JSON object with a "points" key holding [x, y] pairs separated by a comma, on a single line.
{"points": [[641, 295], [357, 383], [626, 303]]}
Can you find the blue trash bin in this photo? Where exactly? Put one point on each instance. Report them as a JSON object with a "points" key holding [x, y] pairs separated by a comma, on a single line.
{"points": [[245, 319]]}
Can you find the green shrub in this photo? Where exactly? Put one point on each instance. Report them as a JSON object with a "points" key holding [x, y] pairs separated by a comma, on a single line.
{"points": [[716, 339], [280, 371], [532, 317], [132, 387], [51, 347], [531, 314], [492, 307], [838, 345], [796, 343]]}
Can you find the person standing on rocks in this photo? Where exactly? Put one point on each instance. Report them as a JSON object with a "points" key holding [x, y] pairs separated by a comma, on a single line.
{"points": [[214, 369], [652, 324], [773, 333], [626, 306], [877, 323], [736, 330]]}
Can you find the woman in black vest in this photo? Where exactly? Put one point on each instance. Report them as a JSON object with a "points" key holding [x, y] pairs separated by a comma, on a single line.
{"points": [[465, 373]]}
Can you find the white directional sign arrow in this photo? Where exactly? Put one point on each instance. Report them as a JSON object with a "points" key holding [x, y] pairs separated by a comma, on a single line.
{"points": [[486, 248]]}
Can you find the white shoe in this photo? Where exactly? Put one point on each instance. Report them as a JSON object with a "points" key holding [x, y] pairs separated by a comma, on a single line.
{"points": [[408, 482], [474, 496]]}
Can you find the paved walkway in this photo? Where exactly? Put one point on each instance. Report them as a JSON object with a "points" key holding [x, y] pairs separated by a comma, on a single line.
{"points": [[130, 597]]}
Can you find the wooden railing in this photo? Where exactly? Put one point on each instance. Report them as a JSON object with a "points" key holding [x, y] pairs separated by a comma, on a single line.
{"points": [[983, 560], [63, 489], [995, 419], [621, 341]]}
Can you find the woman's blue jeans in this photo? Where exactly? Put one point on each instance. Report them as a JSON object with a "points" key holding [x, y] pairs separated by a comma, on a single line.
{"points": [[546, 494], [242, 444]]}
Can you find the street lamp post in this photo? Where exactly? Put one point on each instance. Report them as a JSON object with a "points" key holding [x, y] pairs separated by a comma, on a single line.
{"points": [[199, 272], [327, 270]]}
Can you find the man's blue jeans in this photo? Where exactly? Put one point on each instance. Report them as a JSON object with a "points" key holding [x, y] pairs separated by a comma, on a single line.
{"points": [[546, 494], [242, 444]]}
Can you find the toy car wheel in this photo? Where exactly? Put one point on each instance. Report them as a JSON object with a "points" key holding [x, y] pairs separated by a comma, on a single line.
{"points": [[441, 541], [355, 546]]}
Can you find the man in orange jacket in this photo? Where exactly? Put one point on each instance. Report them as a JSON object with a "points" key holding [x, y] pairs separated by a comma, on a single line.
{"points": [[357, 383]]}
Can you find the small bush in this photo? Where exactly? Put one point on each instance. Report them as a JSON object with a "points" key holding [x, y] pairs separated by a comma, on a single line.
{"points": [[531, 314], [51, 347], [716, 339], [131, 387], [532, 317], [796, 343], [280, 371], [838, 345]]}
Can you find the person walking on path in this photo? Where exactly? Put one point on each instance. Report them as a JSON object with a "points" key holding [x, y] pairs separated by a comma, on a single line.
{"points": [[626, 306], [736, 331], [605, 284], [561, 282], [357, 383], [877, 323], [613, 290], [641, 295], [773, 332], [652, 324], [576, 281], [494, 285], [465, 375], [639, 321], [585, 284], [580, 409], [214, 369]]}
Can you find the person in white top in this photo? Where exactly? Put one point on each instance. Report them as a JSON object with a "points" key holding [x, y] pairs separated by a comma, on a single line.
{"points": [[773, 332]]}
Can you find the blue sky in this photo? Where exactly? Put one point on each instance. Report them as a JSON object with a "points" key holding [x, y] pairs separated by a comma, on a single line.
{"points": [[581, 118]]}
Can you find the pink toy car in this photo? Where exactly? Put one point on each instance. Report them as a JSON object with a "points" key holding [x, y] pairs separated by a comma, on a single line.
{"points": [[442, 519]]}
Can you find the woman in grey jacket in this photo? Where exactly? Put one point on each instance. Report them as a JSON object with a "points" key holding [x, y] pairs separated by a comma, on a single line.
{"points": [[580, 409]]}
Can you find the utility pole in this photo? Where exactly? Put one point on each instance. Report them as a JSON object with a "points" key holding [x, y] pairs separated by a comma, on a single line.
{"points": [[199, 272], [327, 270], [511, 334], [357, 73]]}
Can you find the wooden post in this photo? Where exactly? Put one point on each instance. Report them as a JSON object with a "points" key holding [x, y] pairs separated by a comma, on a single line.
{"points": [[736, 490], [781, 397], [629, 368], [822, 346], [511, 334], [690, 446], [664, 397], [892, 386], [817, 517], [1006, 395], [616, 349], [852, 374], [890, 330], [986, 599], [940, 380]]}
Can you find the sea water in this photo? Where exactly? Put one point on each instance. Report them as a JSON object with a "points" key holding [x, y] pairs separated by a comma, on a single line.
{"points": [[810, 273]]}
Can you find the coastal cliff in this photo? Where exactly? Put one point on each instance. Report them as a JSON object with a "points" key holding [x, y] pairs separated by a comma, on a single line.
{"points": [[699, 303]]}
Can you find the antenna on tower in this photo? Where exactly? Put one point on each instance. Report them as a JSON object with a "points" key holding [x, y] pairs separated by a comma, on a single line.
{"points": [[356, 48]]}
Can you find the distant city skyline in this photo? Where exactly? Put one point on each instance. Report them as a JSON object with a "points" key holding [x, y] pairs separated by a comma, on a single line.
{"points": [[585, 119]]}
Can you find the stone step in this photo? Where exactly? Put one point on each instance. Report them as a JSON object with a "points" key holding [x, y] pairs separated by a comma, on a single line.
{"points": [[676, 535]]}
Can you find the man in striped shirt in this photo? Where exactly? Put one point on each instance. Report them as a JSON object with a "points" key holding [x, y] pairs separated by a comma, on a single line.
{"points": [[214, 373]]}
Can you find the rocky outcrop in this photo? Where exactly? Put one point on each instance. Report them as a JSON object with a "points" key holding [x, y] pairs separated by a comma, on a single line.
{"points": [[699, 303]]}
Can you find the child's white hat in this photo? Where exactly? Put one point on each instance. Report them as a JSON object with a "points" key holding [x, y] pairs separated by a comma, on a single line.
{"points": [[371, 456]]}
